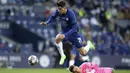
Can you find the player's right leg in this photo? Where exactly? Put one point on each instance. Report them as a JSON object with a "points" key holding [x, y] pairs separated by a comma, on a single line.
{"points": [[60, 49], [82, 51], [72, 60], [77, 42]]}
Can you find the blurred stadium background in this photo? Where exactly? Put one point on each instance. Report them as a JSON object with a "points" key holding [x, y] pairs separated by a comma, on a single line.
{"points": [[105, 22]]}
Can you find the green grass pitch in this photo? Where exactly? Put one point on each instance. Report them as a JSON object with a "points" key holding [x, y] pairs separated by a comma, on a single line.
{"points": [[5, 70]]}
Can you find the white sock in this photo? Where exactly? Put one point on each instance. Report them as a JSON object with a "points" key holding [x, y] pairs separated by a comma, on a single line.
{"points": [[85, 58], [71, 62], [60, 48], [87, 47]]}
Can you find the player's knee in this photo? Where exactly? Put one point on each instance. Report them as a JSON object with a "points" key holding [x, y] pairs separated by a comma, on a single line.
{"points": [[57, 41], [83, 54]]}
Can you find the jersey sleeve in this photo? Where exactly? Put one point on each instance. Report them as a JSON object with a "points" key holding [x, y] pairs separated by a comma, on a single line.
{"points": [[72, 19], [52, 17]]}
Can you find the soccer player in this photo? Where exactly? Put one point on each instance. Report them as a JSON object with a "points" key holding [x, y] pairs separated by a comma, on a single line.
{"points": [[70, 30], [89, 67]]}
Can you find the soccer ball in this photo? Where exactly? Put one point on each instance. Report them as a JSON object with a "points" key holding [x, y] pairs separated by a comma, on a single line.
{"points": [[32, 60]]}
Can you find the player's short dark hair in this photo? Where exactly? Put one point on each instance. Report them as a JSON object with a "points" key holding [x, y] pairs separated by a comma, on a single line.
{"points": [[71, 68], [61, 3]]}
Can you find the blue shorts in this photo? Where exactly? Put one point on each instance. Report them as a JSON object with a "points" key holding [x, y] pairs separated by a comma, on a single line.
{"points": [[76, 40]]}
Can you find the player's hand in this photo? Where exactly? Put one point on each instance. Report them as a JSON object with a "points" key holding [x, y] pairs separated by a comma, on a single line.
{"points": [[43, 23]]}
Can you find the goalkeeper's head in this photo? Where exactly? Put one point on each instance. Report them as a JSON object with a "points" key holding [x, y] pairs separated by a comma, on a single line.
{"points": [[74, 69]]}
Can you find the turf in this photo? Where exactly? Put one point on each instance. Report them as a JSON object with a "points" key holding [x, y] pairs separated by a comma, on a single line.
{"points": [[4, 70]]}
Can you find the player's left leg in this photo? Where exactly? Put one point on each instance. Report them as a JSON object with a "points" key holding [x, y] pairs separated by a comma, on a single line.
{"points": [[59, 45]]}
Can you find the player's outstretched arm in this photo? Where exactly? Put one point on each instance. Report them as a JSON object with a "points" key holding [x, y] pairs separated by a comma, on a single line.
{"points": [[52, 17]]}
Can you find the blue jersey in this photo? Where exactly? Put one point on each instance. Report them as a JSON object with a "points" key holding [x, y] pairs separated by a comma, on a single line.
{"points": [[68, 22]]}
